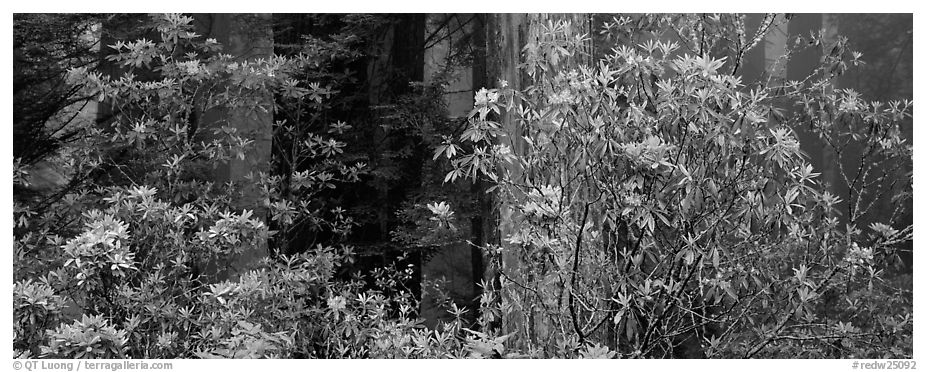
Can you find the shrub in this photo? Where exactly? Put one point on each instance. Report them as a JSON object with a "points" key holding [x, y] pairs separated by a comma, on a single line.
{"points": [[655, 204], [36, 308], [89, 337], [143, 271]]}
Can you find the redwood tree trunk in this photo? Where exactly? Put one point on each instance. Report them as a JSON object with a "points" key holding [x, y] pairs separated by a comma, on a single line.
{"points": [[247, 37]]}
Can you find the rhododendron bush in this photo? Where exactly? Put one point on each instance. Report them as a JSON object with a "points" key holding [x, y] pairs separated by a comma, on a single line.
{"points": [[650, 204]]}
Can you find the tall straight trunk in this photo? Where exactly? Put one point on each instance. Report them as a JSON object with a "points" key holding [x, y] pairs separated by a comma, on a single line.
{"points": [[504, 40], [481, 228], [773, 48], [831, 162], [120, 27], [247, 37], [801, 65], [396, 60], [753, 66], [507, 34]]}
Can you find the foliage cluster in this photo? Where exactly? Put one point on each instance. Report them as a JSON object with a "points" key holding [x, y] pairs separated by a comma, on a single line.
{"points": [[653, 206], [131, 262], [657, 206]]}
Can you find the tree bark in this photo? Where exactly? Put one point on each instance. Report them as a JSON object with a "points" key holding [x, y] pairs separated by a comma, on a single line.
{"points": [[507, 34], [247, 37]]}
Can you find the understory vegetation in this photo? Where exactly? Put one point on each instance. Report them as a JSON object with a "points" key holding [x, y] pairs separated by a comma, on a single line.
{"points": [[649, 203]]}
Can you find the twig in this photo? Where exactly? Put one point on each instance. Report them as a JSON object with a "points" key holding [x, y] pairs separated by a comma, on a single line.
{"points": [[575, 269]]}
